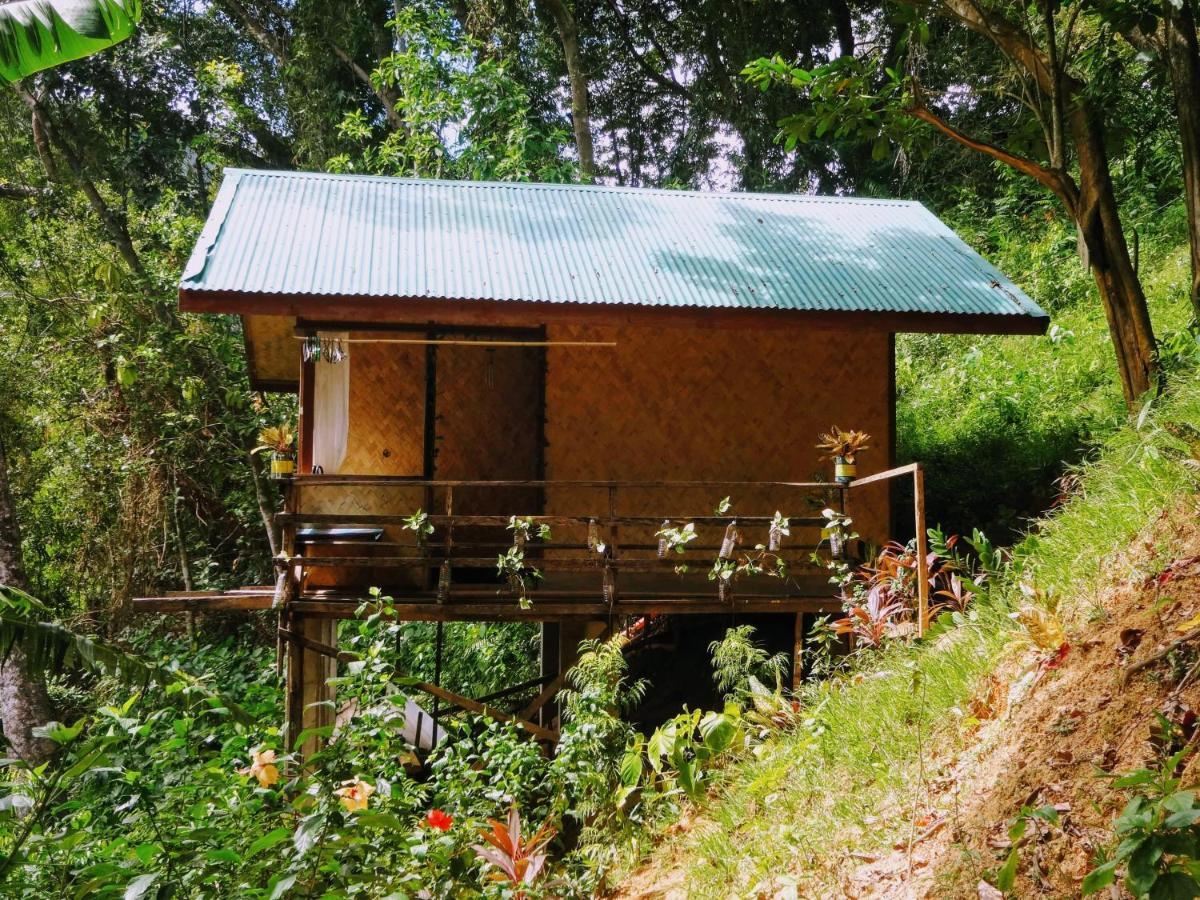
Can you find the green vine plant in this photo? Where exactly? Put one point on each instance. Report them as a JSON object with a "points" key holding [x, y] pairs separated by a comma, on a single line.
{"points": [[1157, 835], [418, 523], [511, 563], [763, 559]]}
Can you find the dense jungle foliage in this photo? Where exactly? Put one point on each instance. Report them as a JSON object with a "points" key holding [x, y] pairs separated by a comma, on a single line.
{"points": [[126, 427]]}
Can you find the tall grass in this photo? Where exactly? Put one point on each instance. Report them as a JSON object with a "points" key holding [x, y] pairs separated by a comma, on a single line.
{"points": [[996, 418], [852, 777]]}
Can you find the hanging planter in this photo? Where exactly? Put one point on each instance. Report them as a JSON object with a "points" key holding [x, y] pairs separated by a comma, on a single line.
{"points": [[283, 465], [278, 440], [843, 447], [845, 470]]}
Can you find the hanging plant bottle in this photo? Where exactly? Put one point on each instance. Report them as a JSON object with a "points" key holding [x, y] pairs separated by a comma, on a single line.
{"points": [[845, 469]]}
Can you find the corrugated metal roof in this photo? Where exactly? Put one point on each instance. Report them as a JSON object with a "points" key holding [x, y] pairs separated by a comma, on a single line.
{"points": [[293, 233]]}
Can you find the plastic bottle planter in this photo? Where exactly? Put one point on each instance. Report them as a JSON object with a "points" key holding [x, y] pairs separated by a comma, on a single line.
{"points": [[283, 465], [844, 472], [837, 544]]}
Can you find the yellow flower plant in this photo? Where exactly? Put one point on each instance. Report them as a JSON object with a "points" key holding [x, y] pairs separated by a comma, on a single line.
{"points": [[262, 767], [355, 793]]}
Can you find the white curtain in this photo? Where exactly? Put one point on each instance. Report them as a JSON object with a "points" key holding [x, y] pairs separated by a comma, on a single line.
{"points": [[331, 408]]}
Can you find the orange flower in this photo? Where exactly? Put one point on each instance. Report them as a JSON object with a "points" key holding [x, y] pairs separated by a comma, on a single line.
{"points": [[262, 767], [439, 820], [355, 793]]}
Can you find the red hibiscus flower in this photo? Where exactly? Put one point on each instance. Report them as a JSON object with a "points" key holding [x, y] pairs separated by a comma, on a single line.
{"points": [[439, 820]]}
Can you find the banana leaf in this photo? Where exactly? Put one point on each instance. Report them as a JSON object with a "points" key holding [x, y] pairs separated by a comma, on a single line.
{"points": [[38, 34]]}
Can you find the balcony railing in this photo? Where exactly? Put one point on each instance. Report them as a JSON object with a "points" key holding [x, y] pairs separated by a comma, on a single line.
{"points": [[437, 547]]}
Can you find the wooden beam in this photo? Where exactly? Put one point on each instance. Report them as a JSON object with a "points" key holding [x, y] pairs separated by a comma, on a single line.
{"points": [[482, 709], [344, 656], [214, 602], [365, 309], [550, 611], [884, 475], [545, 696], [551, 608]]}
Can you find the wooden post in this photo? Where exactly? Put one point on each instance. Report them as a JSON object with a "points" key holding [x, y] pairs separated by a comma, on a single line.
{"points": [[798, 652], [922, 550], [309, 699]]}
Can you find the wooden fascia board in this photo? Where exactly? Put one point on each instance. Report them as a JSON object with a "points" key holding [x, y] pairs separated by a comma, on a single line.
{"points": [[366, 309]]}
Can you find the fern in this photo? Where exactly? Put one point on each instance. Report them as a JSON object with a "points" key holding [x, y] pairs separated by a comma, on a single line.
{"points": [[51, 647]]}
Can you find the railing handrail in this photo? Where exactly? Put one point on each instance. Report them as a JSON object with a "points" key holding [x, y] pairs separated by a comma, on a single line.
{"points": [[301, 480]]}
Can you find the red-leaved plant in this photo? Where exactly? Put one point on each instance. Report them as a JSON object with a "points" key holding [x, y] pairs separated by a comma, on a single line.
{"points": [[518, 862], [880, 599]]}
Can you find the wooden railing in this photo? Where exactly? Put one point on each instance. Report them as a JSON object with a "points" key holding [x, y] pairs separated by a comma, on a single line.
{"points": [[605, 555]]}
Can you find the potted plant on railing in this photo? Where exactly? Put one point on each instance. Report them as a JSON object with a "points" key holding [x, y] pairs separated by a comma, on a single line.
{"points": [[843, 448], [278, 440]]}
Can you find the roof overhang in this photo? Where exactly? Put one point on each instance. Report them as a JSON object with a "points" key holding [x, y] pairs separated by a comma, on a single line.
{"points": [[367, 310]]}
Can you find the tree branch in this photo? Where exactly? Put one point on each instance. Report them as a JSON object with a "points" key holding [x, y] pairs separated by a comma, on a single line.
{"points": [[113, 226], [1058, 182], [662, 79], [263, 36], [385, 96], [21, 191]]}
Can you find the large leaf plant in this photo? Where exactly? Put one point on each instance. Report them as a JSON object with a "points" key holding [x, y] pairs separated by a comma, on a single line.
{"points": [[39, 34]]}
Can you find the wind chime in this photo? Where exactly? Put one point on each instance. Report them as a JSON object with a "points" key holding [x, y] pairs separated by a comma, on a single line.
{"points": [[317, 348]]}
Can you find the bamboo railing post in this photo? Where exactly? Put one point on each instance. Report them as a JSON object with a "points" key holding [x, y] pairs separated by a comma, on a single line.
{"points": [[443, 583], [610, 565], [922, 550]]}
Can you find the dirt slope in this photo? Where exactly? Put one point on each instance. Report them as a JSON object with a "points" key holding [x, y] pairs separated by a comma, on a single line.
{"points": [[1055, 741]]}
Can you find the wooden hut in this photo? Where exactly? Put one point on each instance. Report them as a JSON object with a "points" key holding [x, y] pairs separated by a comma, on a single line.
{"points": [[603, 360]]}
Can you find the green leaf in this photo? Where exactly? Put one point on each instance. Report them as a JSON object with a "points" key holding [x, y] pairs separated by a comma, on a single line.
{"points": [[687, 778], [1134, 779], [58, 732], [223, 855], [1175, 885], [1182, 819], [268, 840], [632, 766], [307, 832], [1008, 872], [138, 887], [1142, 870], [1100, 877], [719, 731], [282, 886]]}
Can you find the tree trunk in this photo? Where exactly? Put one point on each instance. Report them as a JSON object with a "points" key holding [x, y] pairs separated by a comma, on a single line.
{"points": [[1182, 55], [266, 505], [1107, 255], [24, 703], [581, 119]]}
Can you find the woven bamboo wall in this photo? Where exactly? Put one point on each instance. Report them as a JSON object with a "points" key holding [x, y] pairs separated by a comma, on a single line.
{"points": [[692, 404], [273, 351], [387, 409]]}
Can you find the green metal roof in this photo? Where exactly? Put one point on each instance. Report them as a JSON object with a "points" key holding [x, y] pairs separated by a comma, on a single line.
{"points": [[311, 235]]}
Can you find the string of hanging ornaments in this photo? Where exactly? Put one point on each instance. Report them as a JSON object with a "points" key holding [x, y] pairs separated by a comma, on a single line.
{"points": [[317, 348], [333, 349]]}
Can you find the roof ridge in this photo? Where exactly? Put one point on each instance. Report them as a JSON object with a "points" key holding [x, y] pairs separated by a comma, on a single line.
{"points": [[760, 196]]}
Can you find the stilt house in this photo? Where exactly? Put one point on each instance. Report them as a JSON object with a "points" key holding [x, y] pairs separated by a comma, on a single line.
{"points": [[600, 360]]}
